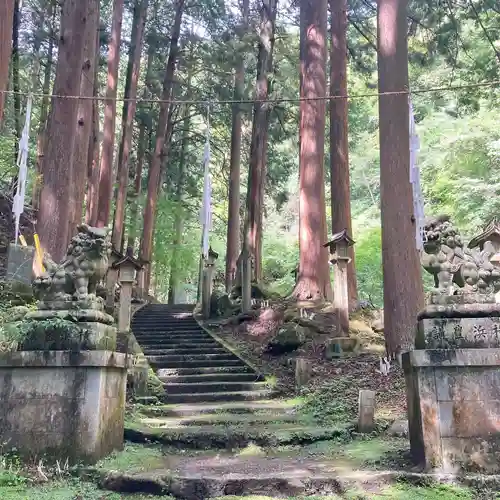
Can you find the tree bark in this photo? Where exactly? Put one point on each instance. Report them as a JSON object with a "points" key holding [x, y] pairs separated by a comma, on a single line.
{"points": [[44, 106], [155, 169], [108, 143], [403, 291], [233, 215], [84, 122], [129, 108], [16, 87], [56, 164], [6, 22], [92, 195], [339, 144], [313, 282], [259, 136]]}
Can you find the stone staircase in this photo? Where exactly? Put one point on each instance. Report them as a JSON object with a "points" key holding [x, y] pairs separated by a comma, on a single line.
{"points": [[193, 366], [213, 399]]}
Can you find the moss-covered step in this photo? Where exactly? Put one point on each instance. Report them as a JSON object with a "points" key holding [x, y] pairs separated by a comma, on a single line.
{"points": [[210, 377], [199, 363], [198, 387], [252, 395], [243, 408], [230, 437], [232, 368], [222, 419]]}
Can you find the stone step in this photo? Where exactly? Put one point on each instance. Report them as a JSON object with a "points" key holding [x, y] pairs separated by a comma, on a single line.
{"points": [[161, 329], [190, 352], [194, 357], [212, 387], [202, 370], [174, 338], [210, 436], [233, 408], [208, 397], [210, 377], [217, 419], [174, 344], [203, 363]]}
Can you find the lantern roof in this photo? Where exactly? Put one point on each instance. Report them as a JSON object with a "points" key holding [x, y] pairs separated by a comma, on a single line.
{"points": [[342, 236], [127, 259], [492, 230]]}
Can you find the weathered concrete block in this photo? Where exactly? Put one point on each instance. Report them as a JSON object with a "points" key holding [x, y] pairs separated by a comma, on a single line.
{"points": [[59, 404], [454, 408], [303, 372]]}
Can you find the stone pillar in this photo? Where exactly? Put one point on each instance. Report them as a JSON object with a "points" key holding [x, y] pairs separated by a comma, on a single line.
{"points": [[206, 290], [246, 282], [453, 386], [124, 311], [341, 293]]}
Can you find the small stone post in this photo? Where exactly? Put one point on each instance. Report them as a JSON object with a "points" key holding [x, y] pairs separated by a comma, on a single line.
{"points": [[366, 416], [302, 372], [339, 245], [207, 280], [246, 281]]}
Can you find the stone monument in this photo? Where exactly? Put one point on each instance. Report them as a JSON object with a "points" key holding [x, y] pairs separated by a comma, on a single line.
{"points": [[453, 375], [63, 395]]}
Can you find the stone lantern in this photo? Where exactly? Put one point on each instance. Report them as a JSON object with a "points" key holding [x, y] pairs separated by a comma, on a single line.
{"points": [[339, 257], [126, 268], [206, 290]]}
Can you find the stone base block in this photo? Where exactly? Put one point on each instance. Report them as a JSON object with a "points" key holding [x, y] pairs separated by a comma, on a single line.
{"points": [[453, 401], [62, 405]]}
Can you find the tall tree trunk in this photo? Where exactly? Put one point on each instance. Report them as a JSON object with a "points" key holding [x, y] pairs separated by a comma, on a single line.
{"points": [[233, 215], [175, 267], [57, 162], [403, 291], [259, 136], [134, 208], [129, 108], [156, 161], [6, 22], [108, 143], [314, 276], [84, 123], [339, 144], [144, 142], [44, 107], [92, 194], [15, 77]]}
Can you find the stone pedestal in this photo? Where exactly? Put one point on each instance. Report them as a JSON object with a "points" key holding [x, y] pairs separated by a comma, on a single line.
{"points": [[58, 404], [453, 385], [454, 408]]}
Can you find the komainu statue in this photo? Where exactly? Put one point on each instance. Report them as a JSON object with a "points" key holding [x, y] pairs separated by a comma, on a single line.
{"points": [[458, 268], [83, 267]]}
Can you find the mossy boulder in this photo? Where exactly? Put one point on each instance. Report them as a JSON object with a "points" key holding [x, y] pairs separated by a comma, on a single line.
{"points": [[288, 339], [340, 346]]}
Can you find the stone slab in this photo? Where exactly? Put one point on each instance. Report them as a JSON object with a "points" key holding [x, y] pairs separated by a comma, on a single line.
{"points": [[451, 357], [20, 264], [87, 336], [61, 405], [465, 385], [458, 333], [91, 315]]}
